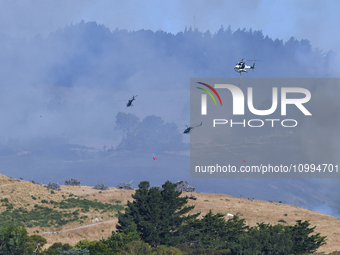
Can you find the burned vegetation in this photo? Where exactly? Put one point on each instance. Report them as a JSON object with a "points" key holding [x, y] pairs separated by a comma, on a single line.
{"points": [[101, 187], [72, 182]]}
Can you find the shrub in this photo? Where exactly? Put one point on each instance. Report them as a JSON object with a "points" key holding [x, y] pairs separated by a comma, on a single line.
{"points": [[54, 186], [5, 200], [9, 207], [101, 187], [72, 182]]}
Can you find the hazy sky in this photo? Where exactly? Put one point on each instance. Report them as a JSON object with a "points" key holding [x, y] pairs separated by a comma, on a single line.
{"points": [[35, 112], [315, 20], [312, 20]]}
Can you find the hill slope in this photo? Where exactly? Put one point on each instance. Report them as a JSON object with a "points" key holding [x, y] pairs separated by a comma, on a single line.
{"points": [[79, 212]]}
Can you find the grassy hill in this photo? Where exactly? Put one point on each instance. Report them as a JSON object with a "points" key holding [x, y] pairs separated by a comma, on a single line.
{"points": [[79, 212]]}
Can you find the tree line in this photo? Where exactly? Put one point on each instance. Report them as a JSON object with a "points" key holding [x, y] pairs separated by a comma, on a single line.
{"points": [[159, 221]]}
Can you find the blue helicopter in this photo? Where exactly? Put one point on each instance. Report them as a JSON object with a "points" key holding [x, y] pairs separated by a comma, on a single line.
{"points": [[188, 129], [130, 101]]}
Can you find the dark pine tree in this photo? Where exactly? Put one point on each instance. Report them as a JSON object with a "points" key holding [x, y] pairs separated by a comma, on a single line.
{"points": [[302, 241], [157, 215], [213, 231]]}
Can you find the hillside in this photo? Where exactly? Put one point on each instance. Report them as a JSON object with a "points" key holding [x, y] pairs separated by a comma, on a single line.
{"points": [[78, 212]]}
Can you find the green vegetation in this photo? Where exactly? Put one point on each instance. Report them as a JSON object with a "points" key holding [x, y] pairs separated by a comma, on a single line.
{"points": [[158, 216], [5, 200], [59, 248], [156, 222], [86, 204], [42, 216], [15, 241], [116, 201], [9, 207], [39, 216]]}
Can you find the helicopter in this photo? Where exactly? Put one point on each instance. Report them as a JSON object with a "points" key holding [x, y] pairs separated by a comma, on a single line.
{"points": [[242, 67], [130, 101], [187, 130]]}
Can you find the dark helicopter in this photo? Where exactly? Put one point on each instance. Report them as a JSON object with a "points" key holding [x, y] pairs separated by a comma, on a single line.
{"points": [[131, 100], [187, 130]]}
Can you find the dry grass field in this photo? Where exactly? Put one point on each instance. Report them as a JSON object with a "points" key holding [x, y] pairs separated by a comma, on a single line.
{"points": [[98, 225]]}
